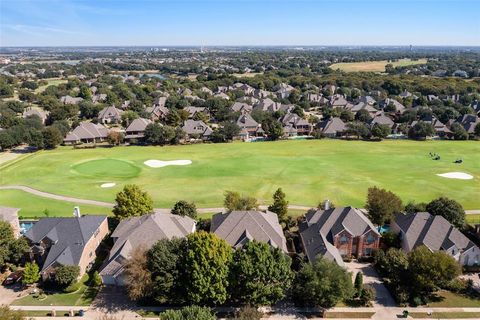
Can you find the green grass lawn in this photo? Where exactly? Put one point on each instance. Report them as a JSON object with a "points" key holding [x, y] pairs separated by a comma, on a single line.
{"points": [[82, 297], [51, 82], [473, 218], [374, 66], [33, 206], [349, 315], [445, 315], [449, 299], [308, 171]]}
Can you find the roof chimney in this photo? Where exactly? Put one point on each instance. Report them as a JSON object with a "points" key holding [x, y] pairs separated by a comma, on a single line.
{"points": [[326, 204], [76, 212]]}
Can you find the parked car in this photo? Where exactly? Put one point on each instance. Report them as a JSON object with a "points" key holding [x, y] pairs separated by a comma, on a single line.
{"points": [[13, 277]]}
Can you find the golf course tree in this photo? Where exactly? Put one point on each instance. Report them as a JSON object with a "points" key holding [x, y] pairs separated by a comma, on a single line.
{"points": [[132, 201], [421, 130], [163, 264], [280, 205], [226, 132], [273, 128], [184, 208], [414, 207], [206, 264], [358, 129], [188, 313], [449, 209], [459, 132], [31, 273], [260, 274], [234, 201], [380, 131], [156, 134], [11, 249], [52, 137], [66, 275], [115, 138], [382, 205], [323, 284]]}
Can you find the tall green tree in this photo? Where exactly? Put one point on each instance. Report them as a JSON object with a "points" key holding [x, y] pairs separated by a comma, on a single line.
{"points": [[11, 249], [382, 205], [358, 283], [132, 201], [184, 208], [31, 273], [449, 209], [206, 268], [235, 201], [260, 274], [52, 137], [280, 204], [163, 263], [323, 284], [66, 275]]}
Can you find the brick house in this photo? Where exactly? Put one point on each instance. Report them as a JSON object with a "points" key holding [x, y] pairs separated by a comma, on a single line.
{"points": [[66, 241], [338, 233]]}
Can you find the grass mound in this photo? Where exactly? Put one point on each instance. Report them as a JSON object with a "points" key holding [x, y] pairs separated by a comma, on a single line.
{"points": [[107, 168]]}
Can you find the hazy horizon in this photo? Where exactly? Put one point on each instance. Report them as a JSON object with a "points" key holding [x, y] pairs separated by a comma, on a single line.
{"points": [[88, 23]]}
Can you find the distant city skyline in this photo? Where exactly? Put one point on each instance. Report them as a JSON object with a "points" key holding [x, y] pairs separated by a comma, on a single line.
{"points": [[239, 22]]}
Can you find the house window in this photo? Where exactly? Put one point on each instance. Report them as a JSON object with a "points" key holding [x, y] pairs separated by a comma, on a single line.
{"points": [[343, 239], [370, 239], [367, 251]]}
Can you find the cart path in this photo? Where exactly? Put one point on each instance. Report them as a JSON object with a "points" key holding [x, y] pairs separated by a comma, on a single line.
{"points": [[161, 210]]}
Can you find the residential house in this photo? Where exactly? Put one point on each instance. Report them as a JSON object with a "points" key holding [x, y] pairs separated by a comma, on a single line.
{"points": [[136, 129], [141, 232], [469, 122], [192, 111], [283, 90], [437, 234], [399, 108], [249, 127], [332, 127], [338, 233], [239, 227], [66, 241], [70, 100], [441, 130], [10, 215], [110, 115], [301, 126], [367, 100], [28, 112], [99, 98], [241, 107], [158, 111], [197, 129], [222, 95], [87, 132], [364, 106], [382, 118]]}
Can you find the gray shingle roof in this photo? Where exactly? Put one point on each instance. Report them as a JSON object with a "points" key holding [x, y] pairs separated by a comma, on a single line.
{"points": [[321, 226], [196, 127], [87, 130], [143, 231], [69, 236], [110, 113], [332, 126], [434, 232], [237, 227]]}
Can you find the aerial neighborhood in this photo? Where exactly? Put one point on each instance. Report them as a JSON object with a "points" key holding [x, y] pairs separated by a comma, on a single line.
{"points": [[239, 183]]}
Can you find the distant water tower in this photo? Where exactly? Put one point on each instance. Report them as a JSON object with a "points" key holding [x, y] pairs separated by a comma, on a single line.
{"points": [[76, 212]]}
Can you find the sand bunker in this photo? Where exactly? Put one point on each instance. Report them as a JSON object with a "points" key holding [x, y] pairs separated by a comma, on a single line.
{"points": [[159, 163], [108, 185], [456, 175]]}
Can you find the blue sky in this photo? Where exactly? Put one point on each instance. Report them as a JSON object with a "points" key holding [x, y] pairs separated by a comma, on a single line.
{"points": [[239, 22]]}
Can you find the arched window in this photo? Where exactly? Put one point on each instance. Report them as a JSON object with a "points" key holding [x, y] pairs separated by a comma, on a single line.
{"points": [[343, 239], [370, 238]]}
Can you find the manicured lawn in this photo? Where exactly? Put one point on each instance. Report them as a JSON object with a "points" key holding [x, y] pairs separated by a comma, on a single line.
{"points": [[38, 313], [473, 218], [446, 315], [454, 300], [82, 297], [374, 66], [349, 315], [33, 206], [308, 171], [51, 82]]}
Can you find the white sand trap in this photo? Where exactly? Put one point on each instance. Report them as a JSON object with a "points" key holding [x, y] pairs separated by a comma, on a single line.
{"points": [[456, 175], [108, 185], [160, 163]]}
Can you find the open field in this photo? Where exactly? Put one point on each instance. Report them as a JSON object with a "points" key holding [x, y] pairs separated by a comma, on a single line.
{"points": [[374, 66], [51, 82], [308, 171]]}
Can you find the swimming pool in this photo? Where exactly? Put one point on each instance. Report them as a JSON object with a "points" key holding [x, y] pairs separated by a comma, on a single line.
{"points": [[25, 225]]}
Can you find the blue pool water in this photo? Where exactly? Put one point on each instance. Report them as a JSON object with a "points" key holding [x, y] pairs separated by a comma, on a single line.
{"points": [[25, 225]]}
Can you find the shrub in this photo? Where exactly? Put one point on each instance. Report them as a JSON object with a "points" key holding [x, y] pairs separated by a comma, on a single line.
{"points": [[66, 275]]}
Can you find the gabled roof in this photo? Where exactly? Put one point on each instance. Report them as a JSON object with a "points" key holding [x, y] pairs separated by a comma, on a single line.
{"points": [[322, 226], [138, 125], [110, 112], [70, 100], [246, 121], [87, 130], [434, 232], [196, 127], [332, 126], [68, 235], [382, 118], [241, 107], [143, 231], [237, 227]]}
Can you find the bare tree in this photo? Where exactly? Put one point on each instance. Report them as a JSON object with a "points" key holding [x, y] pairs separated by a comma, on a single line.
{"points": [[137, 275]]}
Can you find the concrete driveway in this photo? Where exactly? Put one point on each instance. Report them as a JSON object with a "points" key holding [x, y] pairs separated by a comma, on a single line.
{"points": [[10, 293], [383, 298]]}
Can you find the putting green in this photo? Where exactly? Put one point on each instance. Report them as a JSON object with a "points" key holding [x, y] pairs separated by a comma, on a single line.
{"points": [[106, 168], [308, 171]]}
